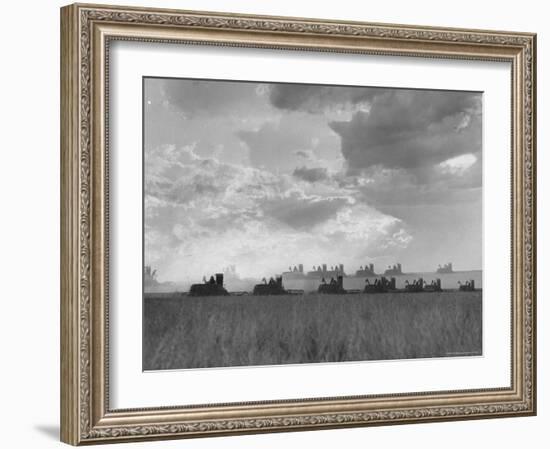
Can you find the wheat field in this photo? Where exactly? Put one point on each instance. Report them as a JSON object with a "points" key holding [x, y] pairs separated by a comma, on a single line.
{"points": [[199, 332]]}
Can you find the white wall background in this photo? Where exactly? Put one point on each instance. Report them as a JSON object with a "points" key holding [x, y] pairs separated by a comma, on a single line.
{"points": [[29, 221]]}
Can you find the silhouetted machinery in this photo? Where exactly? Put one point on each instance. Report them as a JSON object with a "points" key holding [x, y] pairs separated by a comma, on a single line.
{"points": [[296, 272], [367, 270], [335, 286], [468, 286], [420, 286], [325, 271], [381, 285], [446, 268], [394, 270], [434, 286], [273, 287], [212, 287]]}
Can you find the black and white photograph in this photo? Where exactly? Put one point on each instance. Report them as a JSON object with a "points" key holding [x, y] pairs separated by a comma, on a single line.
{"points": [[278, 219], [303, 223]]}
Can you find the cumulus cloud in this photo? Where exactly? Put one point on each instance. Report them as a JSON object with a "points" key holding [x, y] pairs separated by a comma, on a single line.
{"points": [[410, 129], [204, 215], [263, 175], [421, 139], [281, 144], [458, 164]]}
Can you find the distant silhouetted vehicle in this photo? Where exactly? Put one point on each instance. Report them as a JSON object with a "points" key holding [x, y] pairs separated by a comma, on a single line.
{"points": [[468, 286], [212, 287], [394, 270], [446, 268], [434, 286], [273, 287], [334, 286], [381, 285], [367, 270]]}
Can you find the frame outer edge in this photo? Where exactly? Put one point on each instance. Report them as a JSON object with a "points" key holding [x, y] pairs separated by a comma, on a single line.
{"points": [[69, 257], [535, 230], [79, 423], [533, 136]]}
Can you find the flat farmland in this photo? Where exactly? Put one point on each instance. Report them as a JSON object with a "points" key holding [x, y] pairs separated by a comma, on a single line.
{"points": [[182, 332]]}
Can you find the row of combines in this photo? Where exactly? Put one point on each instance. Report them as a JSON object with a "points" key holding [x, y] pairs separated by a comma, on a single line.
{"points": [[214, 287], [333, 271], [380, 285], [335, 285]]}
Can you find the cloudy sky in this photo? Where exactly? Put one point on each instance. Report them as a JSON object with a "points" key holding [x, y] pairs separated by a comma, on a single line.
{"points": [[263, 176]]}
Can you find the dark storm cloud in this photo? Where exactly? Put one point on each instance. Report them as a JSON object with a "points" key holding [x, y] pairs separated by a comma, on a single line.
{"points": [[314, 174], [412, 128], [393, 191], [313, 98], [207, 98], [393, 128], [303, 213]]}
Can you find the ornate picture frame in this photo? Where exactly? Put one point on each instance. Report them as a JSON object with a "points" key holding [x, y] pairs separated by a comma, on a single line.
{"points": [[87, 31]]}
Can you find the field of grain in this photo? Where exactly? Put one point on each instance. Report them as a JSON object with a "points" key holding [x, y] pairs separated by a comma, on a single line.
{"points": [[185, 332]]}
